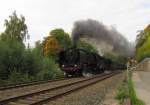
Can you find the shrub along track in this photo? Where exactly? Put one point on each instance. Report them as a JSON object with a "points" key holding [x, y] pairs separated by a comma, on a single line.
{"points": [[43, 96]]}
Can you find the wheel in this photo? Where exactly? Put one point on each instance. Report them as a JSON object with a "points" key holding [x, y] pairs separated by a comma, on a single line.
{"points": [[87, 72], [66, 74]]}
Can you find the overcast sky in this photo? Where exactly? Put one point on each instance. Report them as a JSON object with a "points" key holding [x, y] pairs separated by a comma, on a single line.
{"points": [[128, 16]]}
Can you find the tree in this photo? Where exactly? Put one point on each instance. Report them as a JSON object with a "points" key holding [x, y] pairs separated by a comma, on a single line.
{"points": [[62, 37], [55, 42], [51, 46], [140, 38], [11, 57], [143, 44], [144, 50], [15, 28], [87, 46], [115, 57], [39, 48], [19, 64]]}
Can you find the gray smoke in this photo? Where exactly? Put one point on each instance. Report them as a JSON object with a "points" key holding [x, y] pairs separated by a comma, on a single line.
{"points": [[92, 29]]}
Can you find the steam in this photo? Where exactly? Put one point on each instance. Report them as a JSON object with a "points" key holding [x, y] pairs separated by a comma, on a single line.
{"points": [[100, 34]]}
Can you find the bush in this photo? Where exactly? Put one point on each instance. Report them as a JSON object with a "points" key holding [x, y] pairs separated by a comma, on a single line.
{"points": [[11, 56], [17, 77], [32, 63], [18, 64], [50, 70], [122, 94]]}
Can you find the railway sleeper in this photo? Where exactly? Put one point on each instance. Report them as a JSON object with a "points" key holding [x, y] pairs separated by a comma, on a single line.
{"points": [[14, 103]]}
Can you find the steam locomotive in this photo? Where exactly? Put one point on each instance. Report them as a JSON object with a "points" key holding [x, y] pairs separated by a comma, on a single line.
{"points": [[75, 61]]}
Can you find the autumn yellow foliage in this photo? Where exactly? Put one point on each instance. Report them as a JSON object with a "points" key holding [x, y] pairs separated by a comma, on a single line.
{"points": [[51, 46], [147, 29]]}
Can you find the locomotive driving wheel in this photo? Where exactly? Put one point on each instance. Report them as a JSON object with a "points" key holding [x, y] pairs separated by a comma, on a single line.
{"points": [[66, 74], [87, 71]]}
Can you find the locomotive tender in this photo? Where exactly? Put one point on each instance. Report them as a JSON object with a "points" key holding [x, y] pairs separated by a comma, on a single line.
{"points": [[75, 61]]}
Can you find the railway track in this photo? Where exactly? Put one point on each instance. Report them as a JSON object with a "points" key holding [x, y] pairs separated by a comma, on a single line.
{"points": [[43, 96], [18, 85], [19, 91]]}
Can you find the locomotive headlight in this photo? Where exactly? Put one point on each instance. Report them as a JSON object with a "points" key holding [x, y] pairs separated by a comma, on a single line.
{"points": [[75, 65], [63, 65]]}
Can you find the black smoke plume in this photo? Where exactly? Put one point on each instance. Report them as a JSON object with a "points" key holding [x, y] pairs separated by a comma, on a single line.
{"points": [[101, 33]]}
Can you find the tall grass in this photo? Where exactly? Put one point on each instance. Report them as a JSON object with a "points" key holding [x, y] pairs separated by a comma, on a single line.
{"points": [[132, 94], [127, 91]]}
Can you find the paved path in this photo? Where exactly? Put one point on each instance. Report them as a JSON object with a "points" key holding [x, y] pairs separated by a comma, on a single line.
{"points": [[141, 81]]}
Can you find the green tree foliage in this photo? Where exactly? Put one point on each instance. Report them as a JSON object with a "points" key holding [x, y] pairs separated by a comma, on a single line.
{"points": [[50, 70], [143, 44], [39, 47], [115, 57], [18, 64], [87, 46], [16, 59], [16, 77], [11, 57], [32, 62], [11, 45], [62, 37], [15, 28], [140, 38], [144, 50], [55, 42]]}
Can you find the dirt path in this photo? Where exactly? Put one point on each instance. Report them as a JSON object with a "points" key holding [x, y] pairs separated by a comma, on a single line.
{"points": [[141, 81]]}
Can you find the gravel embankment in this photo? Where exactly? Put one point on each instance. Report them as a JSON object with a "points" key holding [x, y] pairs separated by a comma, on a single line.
{"points": [[92, 95]]}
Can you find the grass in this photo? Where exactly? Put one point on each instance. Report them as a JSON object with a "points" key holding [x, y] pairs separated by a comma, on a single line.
{"points": [[126, 91], [132, 94], [122, 93]]}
